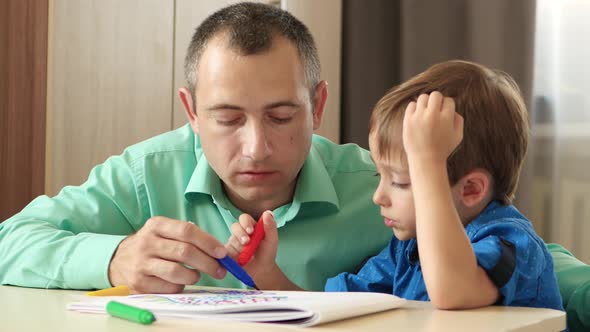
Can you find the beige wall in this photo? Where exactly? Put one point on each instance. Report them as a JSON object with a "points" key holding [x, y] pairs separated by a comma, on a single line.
{"points": [[109, 82], [114, 67]]}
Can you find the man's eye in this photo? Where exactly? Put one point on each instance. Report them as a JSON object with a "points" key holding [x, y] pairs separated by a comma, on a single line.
{"points": [[228, 123], [376, 174], [281, 120]]}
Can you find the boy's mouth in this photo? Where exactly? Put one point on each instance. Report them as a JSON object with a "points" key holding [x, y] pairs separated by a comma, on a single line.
{"points": [[390, 222]]}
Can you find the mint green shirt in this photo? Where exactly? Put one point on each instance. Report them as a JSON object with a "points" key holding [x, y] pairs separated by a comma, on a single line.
{"points": [[67, 241]]}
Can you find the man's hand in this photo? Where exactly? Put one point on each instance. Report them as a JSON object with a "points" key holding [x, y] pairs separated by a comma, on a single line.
{"points": [[164, 256], [431, 130]]}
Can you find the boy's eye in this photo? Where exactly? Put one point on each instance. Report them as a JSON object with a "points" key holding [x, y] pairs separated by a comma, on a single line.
{"points": [[377, 174], [400, 185]]}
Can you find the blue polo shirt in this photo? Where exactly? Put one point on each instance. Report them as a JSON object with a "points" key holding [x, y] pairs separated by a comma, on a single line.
{"points": [[506, 247]]}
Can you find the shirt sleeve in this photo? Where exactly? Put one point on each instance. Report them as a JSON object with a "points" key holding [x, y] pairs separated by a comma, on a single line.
{"points": [[375, 276], [67, 241], [513, 260]]}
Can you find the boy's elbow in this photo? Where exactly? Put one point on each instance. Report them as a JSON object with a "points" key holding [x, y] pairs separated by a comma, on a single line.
{"points": [[446, 301], [448, 305], [445, 296], [459, 299], [454, 293]]}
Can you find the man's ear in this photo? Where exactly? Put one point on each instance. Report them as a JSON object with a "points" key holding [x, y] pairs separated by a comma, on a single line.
{"points": [[475, 188], [319, 103], [187, 101]]}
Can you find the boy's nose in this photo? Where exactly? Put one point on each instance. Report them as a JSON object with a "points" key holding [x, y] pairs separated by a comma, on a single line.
{"points": [[379, 197]]}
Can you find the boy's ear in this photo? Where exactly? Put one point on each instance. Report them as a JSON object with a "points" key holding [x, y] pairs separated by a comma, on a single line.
{"points": [[475, 187]]}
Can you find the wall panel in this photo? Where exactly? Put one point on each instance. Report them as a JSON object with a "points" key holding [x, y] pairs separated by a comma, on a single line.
{"points": [[110, 87], [23, 69]]}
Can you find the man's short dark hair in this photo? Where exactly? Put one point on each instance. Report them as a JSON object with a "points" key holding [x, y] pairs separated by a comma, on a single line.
{"points": [[250, 29]]}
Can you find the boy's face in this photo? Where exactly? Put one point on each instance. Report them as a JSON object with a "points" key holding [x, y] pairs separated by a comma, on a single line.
{"points": [[394, 194]]}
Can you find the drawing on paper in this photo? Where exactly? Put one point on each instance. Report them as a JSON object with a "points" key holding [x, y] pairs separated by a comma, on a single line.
{"points": [[212, 297]]}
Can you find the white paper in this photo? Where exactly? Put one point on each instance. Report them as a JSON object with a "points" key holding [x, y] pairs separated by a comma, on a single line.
{"points": [[297, 308]]}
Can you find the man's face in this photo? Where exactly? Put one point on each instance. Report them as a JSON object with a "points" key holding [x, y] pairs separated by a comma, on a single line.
{"points": [[255, 121]]}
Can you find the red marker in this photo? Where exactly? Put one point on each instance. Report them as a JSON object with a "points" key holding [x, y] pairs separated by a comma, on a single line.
{"points": [[250, 247]]}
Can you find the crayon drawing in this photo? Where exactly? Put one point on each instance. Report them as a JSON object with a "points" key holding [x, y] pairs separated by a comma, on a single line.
{"points": [[241, 305], [212, 298]]}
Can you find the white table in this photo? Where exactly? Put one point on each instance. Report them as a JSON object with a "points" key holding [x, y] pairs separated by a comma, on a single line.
{"points": [[27, 309]]}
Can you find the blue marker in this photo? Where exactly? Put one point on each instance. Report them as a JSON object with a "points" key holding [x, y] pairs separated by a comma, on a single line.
{"points": [[234, 268]]}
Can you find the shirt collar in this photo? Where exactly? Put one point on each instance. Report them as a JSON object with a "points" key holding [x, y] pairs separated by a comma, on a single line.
{"points": [[314, 185]]}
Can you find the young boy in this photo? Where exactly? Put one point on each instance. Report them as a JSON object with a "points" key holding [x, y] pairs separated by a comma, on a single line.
{"points": [[449, 146]]}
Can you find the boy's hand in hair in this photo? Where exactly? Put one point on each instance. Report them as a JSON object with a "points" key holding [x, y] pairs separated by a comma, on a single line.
{"points": [[432, 129]]}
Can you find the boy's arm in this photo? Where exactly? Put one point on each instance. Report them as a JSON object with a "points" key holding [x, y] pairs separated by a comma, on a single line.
{"points": [[432, 130], [262, 266], [376, 275]]}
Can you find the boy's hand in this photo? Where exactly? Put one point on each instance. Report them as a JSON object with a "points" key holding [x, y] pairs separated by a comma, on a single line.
{"points": [[263, 261], [432, 129]]}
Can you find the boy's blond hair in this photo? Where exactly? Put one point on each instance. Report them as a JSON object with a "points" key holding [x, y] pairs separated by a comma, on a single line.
{"points": [[496, 128]]}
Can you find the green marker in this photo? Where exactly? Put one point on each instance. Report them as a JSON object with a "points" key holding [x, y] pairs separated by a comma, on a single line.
{"points": [[131, 313]]}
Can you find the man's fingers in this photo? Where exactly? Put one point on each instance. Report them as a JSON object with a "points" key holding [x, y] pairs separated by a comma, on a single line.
{"points": [[151, 285], [172, 272], [186, 232], [186, 253], [164, 255]]}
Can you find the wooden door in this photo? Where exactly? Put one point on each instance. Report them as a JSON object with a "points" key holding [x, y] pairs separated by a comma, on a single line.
{"points": [[23, 70]]}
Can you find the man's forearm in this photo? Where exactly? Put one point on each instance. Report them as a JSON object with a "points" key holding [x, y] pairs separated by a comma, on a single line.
{"points": [[36, 254]]}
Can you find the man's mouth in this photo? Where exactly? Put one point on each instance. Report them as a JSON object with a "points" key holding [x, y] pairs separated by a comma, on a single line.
{"points": [[256, 175]]}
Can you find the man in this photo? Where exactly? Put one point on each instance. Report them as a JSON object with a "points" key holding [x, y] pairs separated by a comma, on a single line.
{"points": [[253, 100]]}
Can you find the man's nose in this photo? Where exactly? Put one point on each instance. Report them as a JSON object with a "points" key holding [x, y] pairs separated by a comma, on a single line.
{"points": [[257, 145]]}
